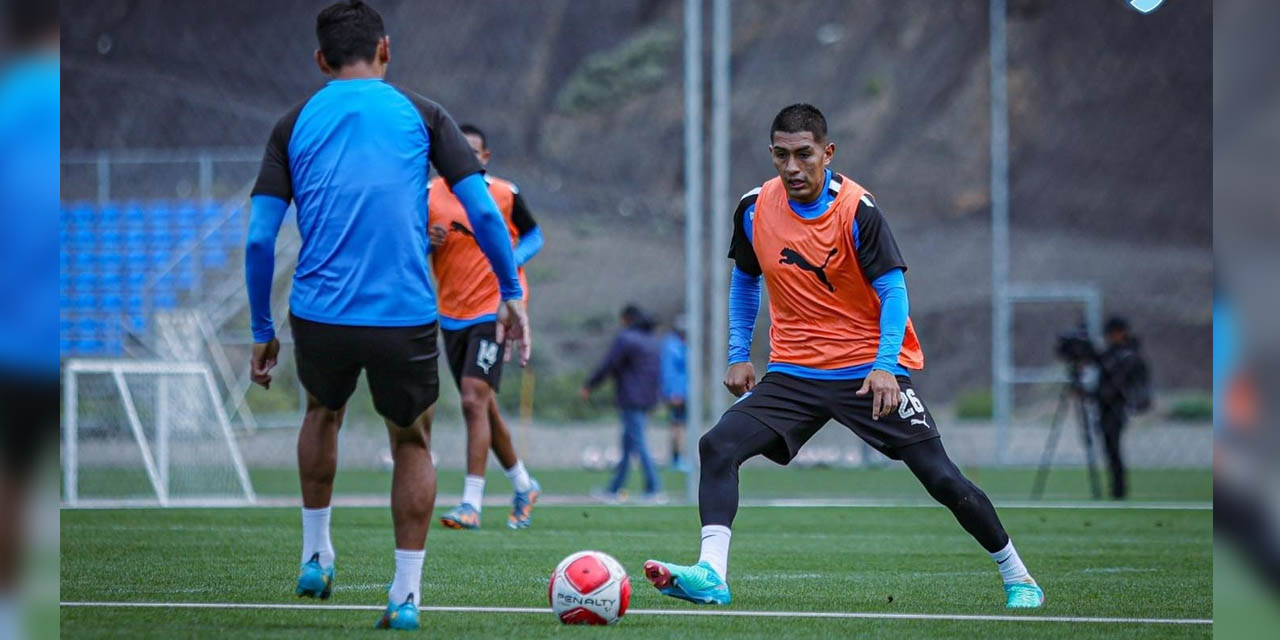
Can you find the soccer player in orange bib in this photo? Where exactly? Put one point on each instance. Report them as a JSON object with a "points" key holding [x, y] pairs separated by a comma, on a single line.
{"points": [[841, 347], [467, 290]]}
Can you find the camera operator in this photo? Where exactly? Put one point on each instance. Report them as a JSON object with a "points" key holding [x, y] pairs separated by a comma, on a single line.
{"points": [[1123, 386]]}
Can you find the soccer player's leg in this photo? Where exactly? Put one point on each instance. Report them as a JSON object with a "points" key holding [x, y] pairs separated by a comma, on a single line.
{"points": [[404, 383], [910, 434], [525, 488], [328, 368], [775, 420]]}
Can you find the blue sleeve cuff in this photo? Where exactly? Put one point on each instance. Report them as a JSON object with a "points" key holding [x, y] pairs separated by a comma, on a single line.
{"points": [[744, 305], [265, 216], [491, 232], [894, 309], [528, 247]]}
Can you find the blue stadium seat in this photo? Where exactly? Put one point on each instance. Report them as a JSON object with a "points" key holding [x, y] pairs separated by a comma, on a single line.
{"points": [[213, 257], [88, 347], [111, 260], [135, 238], [186, 215], [112, 302], [137, 323], [160, 216], [110, 238], [166, 300], [160, 237], [89, 325], [135, 303], [134, 214], [82, 238], [186, 236], [84, 301], [210, 214], [65, 346], [112, 346], [108, 215], [85, 280], [84, 260], [137, 262], [82, 214], [110, 281], [159, 258], [136, 280]]}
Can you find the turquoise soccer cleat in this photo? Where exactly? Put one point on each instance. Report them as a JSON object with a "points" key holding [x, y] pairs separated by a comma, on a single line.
{"points": [[463, 516], [699, 583], [402, 617], [315, 581], [1023, 595], [522, 506]]}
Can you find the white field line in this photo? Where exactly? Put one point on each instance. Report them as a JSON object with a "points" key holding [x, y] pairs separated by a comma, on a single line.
{"points": [[659, 612], [382, 501]]}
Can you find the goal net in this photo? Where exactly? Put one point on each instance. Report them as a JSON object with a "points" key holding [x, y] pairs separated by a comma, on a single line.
{"points": [[148, 432]]}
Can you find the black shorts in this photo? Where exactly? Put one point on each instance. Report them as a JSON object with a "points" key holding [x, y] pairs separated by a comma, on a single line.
{"points": [[29, 413], [400, 364], [474, 353], [796, 408]]}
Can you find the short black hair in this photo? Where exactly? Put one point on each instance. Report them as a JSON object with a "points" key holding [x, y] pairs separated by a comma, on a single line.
{"points": [[1116, 323], [348, 32], [800, 117], [472, 130]]}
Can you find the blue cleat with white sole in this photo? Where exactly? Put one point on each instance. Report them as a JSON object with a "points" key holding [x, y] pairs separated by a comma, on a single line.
{"points": [[1023, 595], [315, 581], [463, 516], [699, 583], [522, 506], [402, 617]]}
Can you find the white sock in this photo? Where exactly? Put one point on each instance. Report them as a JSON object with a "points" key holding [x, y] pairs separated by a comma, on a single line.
{"points": [[1010, 565], [408, 580], [473, 491], [315, 536], [715, 548], [519, 477]]}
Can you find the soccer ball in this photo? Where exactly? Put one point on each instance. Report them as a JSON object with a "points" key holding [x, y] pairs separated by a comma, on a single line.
{"points": [[589, 587]]}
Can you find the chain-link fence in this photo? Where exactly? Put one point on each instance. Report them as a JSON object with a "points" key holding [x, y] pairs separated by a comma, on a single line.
{"points": [[166, 107]]}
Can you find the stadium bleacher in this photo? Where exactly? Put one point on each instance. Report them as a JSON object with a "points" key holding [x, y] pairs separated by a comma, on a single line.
{"points": [[116, 265]]}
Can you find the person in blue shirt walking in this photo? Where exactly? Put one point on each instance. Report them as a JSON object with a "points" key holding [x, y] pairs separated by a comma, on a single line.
{"points": [[634, 362], [353, 158], [675, 387]]}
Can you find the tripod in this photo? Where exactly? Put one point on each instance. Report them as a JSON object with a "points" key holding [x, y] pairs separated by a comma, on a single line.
{"points": [[1072, 390]]}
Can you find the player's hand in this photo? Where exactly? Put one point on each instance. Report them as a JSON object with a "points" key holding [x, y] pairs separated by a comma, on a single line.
{"points": [[263, 361], [740, 378], [885, 392], [438, 234], [584, 393], [513, 330]]}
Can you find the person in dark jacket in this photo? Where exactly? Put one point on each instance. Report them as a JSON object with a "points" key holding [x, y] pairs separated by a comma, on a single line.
{"points": [[1123, 386], [634, 362]]}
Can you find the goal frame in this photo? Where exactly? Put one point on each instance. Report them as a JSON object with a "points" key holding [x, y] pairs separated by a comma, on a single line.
{"points": [[157, 466]]}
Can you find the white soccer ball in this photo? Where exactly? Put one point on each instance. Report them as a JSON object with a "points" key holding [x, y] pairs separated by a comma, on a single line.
{"points": [[589, 587]]}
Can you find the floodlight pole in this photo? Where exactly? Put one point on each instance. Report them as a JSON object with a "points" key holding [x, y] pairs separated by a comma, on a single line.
{"points": [[721, 222], [1001, 391], [693, 212]]}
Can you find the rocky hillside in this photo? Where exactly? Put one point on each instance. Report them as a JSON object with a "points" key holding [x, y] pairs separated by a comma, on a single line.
{"points": [[1110, 118]]}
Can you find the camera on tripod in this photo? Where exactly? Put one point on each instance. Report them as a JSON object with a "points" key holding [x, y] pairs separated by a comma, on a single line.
{"points": [[1075, 348]]}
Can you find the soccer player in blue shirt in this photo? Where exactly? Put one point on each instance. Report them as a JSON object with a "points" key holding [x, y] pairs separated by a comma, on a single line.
{"points": [[354, 159]]}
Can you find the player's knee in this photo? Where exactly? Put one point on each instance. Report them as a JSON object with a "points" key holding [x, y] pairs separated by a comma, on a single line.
{"points": [[954, 490], [715, 451], [474, 398]]}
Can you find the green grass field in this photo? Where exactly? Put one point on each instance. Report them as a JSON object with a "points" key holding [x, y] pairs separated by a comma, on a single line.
{"points": [[760, 483], [1096, 563]]}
